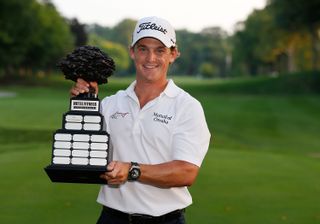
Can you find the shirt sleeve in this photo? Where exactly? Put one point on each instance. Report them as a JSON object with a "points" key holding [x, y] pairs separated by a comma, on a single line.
{"points": [[191, 134]]}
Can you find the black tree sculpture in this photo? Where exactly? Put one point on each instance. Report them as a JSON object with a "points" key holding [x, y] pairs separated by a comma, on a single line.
{"points": [[88, 63]]}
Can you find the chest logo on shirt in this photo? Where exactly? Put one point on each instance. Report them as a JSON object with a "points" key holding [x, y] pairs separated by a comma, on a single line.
{"points": [[117, 115], [163, 118]]}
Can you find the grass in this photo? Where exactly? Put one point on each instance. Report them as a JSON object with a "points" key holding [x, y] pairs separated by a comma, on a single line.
{"points": [[27, 195], [262, 166]]}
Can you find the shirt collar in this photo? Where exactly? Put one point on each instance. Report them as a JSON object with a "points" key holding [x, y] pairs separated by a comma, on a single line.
{"points": [[171, 90], [130, 89]]}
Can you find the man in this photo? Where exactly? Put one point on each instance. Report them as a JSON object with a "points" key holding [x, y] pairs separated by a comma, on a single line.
{"points": [[158, 133]]}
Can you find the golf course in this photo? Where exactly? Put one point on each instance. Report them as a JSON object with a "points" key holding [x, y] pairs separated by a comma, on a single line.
{"points": [[262, 167]]}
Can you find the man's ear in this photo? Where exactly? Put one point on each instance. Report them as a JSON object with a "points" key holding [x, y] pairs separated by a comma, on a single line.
{"points": [[131, 52], [174, 54]]}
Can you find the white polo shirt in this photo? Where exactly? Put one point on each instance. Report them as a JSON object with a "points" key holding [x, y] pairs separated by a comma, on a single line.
{"points": [[170, 127]]}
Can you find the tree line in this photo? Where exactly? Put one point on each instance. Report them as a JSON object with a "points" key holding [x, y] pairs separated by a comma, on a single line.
{"points": [[282, 37], [32, 36]]}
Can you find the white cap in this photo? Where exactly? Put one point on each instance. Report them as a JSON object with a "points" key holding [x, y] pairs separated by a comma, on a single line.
{"points": [[157, 28]]}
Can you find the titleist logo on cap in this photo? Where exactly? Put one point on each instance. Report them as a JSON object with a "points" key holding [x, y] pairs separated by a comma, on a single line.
{"points": [[151, 26]]}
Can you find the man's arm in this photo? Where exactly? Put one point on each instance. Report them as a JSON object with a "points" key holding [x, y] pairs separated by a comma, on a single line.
{"points": [[176, 173]]}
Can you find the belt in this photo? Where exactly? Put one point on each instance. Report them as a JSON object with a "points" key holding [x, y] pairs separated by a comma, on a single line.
{"points": [[141, 218]]}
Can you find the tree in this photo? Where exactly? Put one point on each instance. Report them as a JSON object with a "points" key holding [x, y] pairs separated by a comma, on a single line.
{"points": [[51, 38], [261, 46], [101, 31], [244, 43], [114, 50], [207, 70], [79, 32], [122, 32], [257, 43], [297, 15], [215, 48], [188, 61], [32, 35], [16, 32], [198, 48]]}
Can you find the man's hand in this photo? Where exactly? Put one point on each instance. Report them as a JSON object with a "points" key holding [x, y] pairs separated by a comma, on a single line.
{"points": [[81, 86], [117, 173]]}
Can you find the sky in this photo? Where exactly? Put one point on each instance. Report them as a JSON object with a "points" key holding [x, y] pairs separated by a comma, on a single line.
{"points": [[193, 15]]}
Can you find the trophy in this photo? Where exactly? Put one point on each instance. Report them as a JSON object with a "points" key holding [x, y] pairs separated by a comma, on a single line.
{"points": [[80, 149]]}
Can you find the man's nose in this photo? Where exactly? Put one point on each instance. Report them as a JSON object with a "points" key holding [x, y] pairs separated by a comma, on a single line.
{"points": [[151, 56]]}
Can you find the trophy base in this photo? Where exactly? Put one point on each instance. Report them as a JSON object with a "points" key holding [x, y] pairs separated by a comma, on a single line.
{"points": [[76, 174]]}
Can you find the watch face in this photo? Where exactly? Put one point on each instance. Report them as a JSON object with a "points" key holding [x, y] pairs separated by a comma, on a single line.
{"points": [[134, 174]]}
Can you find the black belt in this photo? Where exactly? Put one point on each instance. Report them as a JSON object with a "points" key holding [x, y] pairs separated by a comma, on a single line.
{"points": [[141, 218]]}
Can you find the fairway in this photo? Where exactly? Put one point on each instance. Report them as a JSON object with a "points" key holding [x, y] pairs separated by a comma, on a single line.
{"points": [[263, 164]]}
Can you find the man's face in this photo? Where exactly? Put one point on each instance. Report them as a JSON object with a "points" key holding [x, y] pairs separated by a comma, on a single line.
{"points": [[152, 59]]}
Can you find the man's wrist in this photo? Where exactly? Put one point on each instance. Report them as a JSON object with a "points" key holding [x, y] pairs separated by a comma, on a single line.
{"points": [[134, 172]]}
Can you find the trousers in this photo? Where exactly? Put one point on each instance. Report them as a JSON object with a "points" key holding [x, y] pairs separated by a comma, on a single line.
{"points": [[112, 216]]}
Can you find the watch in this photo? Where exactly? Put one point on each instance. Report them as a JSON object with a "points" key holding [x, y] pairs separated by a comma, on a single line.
{"points": [[134, 172]]}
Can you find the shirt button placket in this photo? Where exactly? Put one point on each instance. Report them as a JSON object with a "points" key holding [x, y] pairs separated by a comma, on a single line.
{"points": [[136, 123]]}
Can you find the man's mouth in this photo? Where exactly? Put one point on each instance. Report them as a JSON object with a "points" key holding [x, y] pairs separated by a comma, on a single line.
{"points": [[150, 66]]}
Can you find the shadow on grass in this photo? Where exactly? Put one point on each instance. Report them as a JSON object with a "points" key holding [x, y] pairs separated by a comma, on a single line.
{"points": [[16, 136]]}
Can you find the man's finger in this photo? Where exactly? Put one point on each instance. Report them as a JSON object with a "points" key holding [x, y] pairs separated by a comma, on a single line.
{"points": [[111, 166]]}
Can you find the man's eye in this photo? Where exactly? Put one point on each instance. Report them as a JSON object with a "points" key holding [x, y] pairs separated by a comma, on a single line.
{"points": [[161, 51]]}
